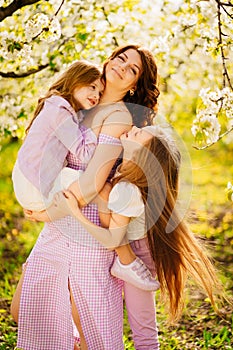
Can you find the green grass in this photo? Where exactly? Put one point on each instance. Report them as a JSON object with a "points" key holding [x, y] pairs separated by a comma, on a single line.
{"points": [[210, 216]]}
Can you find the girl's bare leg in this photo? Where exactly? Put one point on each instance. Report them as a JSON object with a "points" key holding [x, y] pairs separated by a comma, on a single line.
{"points": [[125, 254], [16, 299], [78, 325]]}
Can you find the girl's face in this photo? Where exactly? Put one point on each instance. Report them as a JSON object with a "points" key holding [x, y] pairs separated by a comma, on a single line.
{"points": [[140, 136], [134, 140], [124, 70], [89, 96]]}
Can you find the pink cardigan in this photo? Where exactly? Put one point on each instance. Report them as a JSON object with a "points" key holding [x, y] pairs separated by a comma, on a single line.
{"points": [[54, 133]]}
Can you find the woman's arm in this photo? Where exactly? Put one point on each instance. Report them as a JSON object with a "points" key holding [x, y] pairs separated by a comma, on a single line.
{"points": [[93, 179], [111, 237], [102, 202], [99, 167]]}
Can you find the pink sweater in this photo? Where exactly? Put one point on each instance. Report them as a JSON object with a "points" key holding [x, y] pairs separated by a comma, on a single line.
{"points": [[54, 133]]}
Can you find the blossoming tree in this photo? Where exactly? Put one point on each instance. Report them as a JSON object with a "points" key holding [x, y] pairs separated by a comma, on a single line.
{"points": [[191, 39]]}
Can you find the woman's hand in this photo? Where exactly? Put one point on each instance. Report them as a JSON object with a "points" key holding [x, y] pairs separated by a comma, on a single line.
{"points": [[36, 216], [66, 202]]}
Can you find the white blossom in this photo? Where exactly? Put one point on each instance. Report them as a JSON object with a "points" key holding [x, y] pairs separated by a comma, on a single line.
{"points": [[160, 45], [227, 95], [207, 125], [116, 20], [229, 190], [54, 30], [14, 115], [12, 48], [35, 25], [40, 24], [188, 20], [214, 100]]}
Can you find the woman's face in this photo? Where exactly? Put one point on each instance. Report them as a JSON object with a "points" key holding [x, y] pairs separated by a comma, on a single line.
{"points": [[124, 70]]}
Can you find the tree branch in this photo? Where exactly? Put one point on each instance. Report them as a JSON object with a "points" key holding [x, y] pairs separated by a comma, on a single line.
{"points": [[24, 74], [59, 8], [106, 18], [225, 3], [226, 76], [55, 14], [35, 70], [13, 7], [219, 138]]}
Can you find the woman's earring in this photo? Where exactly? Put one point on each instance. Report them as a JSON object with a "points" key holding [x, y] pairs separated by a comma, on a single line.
{"points": [[131, 92]]}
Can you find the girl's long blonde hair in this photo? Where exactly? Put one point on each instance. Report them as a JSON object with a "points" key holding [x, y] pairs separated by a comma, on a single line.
{"points": [[79, 74], [176, 252]]}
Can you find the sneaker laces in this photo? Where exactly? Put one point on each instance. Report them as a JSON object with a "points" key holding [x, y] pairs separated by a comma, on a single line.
{"points": [[141, 269]]}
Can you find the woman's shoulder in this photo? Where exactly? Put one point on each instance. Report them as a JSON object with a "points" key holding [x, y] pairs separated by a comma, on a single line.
{"points": [[109, 109], [117, 108], [110, 119], [114, 106]]}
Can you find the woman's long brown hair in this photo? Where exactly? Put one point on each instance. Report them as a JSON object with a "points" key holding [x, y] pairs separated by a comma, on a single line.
{"points": [[176, 252], [79, 74], [147, 91]]}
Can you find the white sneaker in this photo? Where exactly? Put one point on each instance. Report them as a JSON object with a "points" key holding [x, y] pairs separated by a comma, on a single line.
{"points": [[136, 274]]}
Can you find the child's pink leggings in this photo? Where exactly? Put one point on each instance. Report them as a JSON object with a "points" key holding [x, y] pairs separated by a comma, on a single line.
{"points": [[140, 305]]}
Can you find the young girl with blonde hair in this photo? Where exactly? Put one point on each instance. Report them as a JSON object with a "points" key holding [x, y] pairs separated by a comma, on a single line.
{"points": [[40, 169], [143, 201]]}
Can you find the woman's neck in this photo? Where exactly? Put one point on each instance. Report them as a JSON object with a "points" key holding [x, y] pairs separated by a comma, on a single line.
{"points": [[111, 95]]}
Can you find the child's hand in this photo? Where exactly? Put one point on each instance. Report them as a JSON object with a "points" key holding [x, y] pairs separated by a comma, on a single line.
{"points": [[66, 202]]}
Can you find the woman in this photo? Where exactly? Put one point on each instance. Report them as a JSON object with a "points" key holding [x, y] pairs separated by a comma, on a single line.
{"points": [[67, 266]]}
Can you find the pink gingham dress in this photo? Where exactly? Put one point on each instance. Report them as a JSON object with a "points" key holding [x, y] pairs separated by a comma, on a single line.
{"points": [[64, 255]]}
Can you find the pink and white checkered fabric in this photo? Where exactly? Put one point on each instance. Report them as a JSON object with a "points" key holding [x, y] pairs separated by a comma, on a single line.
{"points": [[66, 254]]}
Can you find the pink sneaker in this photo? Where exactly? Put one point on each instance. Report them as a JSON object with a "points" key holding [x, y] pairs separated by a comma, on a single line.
{"points": [[136, 274]]}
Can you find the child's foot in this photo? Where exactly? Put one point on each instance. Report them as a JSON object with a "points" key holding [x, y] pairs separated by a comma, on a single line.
{"points": [[136, 274]]}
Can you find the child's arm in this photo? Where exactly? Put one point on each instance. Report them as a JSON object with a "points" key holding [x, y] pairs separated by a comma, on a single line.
{"points": [[110, 238]]}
